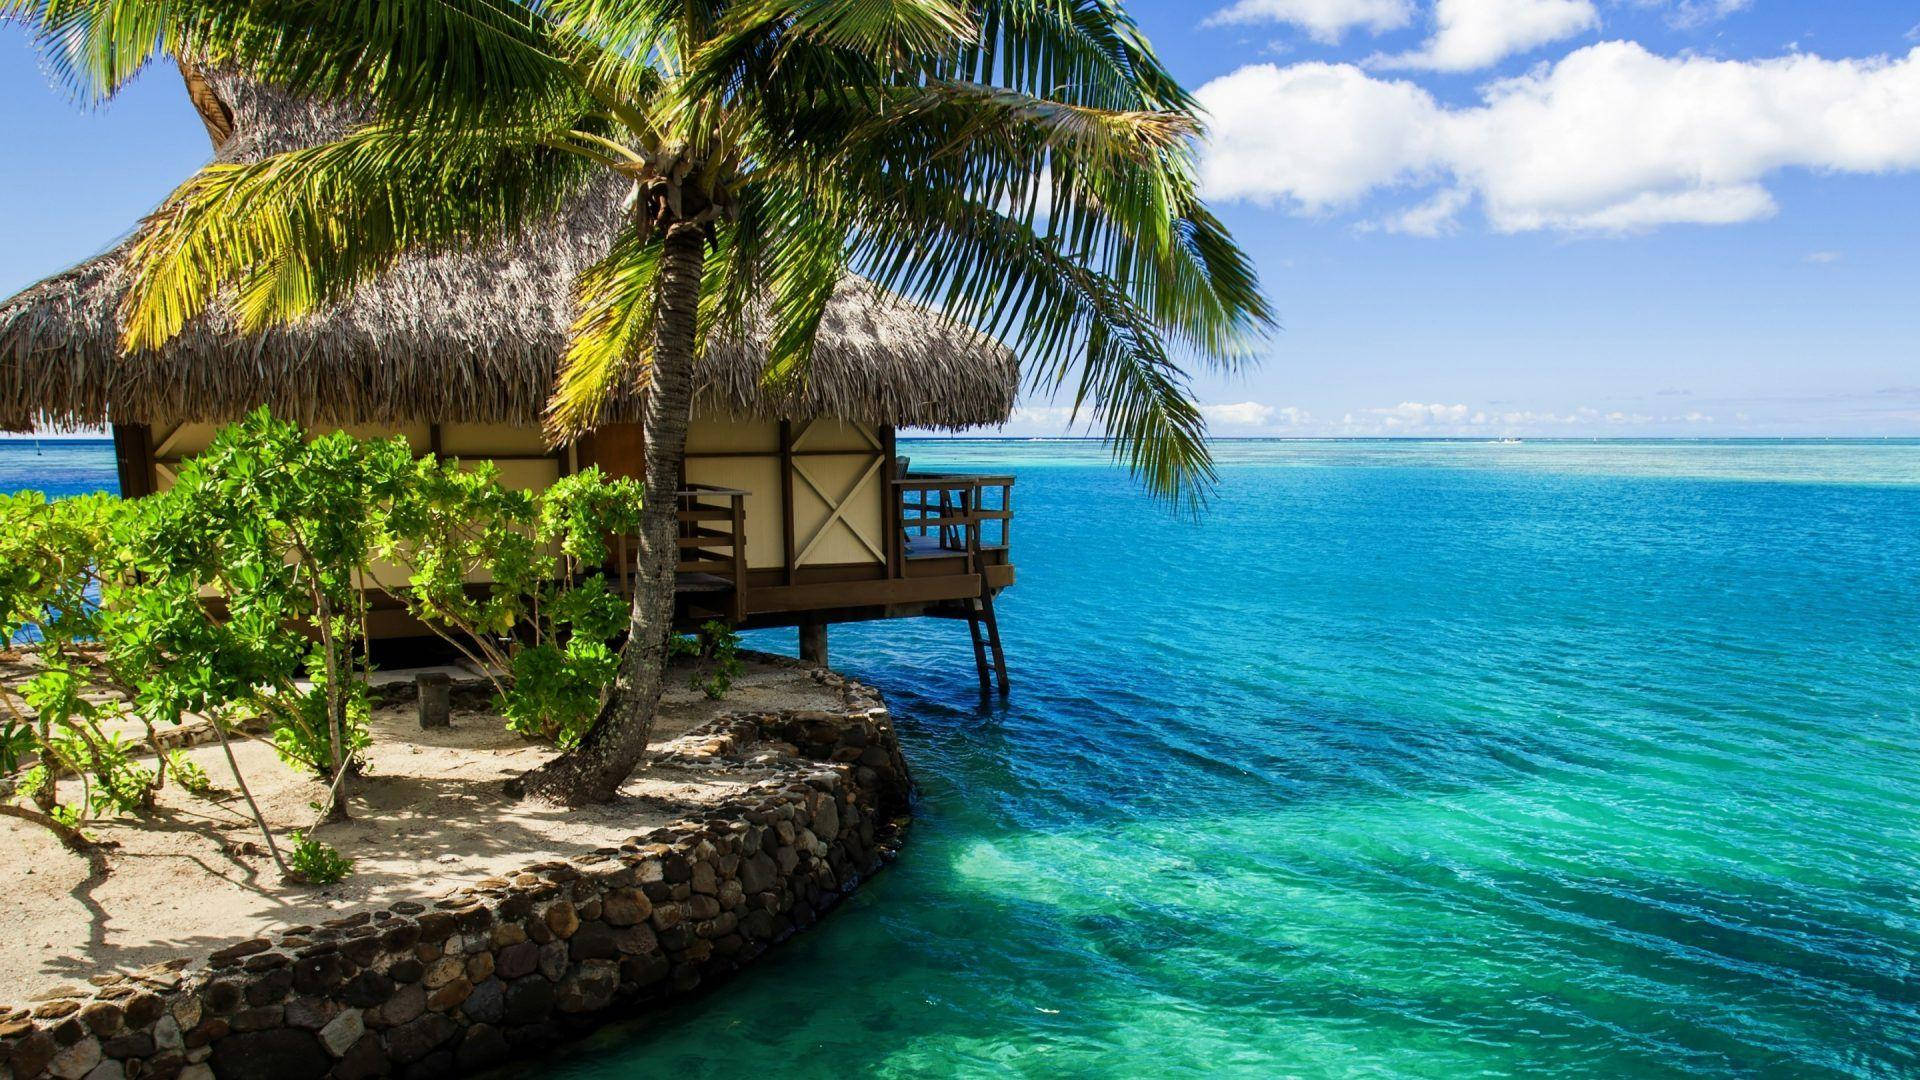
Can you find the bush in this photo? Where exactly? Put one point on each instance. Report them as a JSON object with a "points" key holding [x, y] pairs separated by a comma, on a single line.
{"points": [[720, 646], [190, 776], [315, 862], [548, 623]]}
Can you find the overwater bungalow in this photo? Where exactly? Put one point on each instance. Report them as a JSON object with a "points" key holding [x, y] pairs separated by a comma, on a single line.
{"points": [[796, 509]]}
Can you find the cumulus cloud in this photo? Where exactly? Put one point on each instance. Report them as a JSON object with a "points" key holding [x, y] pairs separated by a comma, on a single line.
{"points": [[1326, 21], [1472, 34], [1612, 138], [1824, 258]]}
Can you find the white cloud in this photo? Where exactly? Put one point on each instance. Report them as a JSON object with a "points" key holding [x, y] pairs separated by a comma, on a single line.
{"points": [[1824, 257], [1472, 34], [1688, 14], [1317, 136], [1241, 414], [1325, 21], [1612, 138], [1437, 216]]}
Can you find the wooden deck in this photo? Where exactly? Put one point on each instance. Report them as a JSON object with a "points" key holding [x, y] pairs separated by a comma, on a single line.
{"points": [[948, 545]]}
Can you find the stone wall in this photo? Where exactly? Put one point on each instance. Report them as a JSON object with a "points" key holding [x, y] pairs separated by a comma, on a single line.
{"points": [[460, 984]]}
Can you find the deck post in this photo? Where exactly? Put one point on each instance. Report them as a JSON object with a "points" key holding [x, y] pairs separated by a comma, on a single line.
{"points": [[813, 642]]}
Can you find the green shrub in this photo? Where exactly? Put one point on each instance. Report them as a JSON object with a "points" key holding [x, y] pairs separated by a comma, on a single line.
{"points": [[720, 645], [548, 621], [315, 862], [16, 745], [188, 774]]}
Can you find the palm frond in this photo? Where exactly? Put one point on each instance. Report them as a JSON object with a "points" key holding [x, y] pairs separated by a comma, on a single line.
{"points": [[612, 335], [302, 228]]}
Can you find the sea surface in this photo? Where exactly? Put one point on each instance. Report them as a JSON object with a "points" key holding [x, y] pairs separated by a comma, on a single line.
{"points": [[1425, 759]]}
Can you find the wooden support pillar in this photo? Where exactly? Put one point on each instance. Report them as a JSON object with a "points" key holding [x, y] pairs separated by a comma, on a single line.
{"points": [[813, 642]]}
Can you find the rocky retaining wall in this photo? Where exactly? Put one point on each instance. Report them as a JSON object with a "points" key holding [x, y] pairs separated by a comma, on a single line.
{"points": [[504, 967]]}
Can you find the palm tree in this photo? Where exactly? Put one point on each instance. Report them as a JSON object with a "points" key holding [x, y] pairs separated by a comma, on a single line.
{"points": [[1024, 165]]}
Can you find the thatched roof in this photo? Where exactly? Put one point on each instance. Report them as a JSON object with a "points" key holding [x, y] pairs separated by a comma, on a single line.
{"points": [[468, 336]]}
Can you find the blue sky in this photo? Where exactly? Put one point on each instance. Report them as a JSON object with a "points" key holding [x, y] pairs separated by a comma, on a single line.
{"points": [[1500, 217]]}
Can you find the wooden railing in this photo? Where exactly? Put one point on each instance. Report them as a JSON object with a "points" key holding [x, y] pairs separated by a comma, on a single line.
{"points": [[712, 537], [943, 515], [713, 543]]}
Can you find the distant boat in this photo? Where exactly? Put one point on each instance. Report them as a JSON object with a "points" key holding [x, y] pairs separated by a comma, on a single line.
{"points": [[1509, 441]]}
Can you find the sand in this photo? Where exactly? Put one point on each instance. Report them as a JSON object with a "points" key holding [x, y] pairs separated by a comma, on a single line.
{"points": [[430, 814]]}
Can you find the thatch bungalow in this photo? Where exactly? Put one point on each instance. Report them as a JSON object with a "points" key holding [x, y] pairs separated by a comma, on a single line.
{"points": [[796, 510]]}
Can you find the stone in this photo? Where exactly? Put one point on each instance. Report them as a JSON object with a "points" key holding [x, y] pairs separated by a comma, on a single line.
{"points": [[413, 1041], [132, 1044], [406, 1004], [449, 995], [667, 916], [280, 1054], [313, 975], [553, 960], [222, 997], [625, 907], [364, 1060], [31, 1054], [593, 941], [434, 698], [436, 926], [407, 970], [340, 1033], [517, 960], [311, 1013], [444, 971], [166, 1033], [636, 940], [367, 989], [206, 1031], [102, 1017], [259, 1018], [562, 920], [644, 970], [504, 934], [482, 1048], [196, 1072], [826, 820], [143, 1009], [589, 987], [233, 954], [702, 908], [487, 1003], [704, 879], [77, 1060], [479, 966], [528, 1001]]}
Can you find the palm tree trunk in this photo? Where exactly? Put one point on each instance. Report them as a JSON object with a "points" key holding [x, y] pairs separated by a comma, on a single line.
{"points": [[594, 770]]}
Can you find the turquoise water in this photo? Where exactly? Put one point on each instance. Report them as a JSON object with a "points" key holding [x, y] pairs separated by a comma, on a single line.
{"points": [[1412, 759]]}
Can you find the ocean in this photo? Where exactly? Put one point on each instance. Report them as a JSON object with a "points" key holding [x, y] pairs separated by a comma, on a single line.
{"points": [[1408, 759]]}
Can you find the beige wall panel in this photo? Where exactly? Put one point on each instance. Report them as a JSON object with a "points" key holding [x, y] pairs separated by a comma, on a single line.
{"points": [[722, 434], [524, 475], [418, 438], [835, 435], [761, 477], [468, 440], [182, 440], [185, 440], [835, 476]]}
